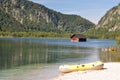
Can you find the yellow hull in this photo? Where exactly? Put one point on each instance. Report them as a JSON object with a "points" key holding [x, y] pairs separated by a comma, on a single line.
{"points": [[90, 66]]}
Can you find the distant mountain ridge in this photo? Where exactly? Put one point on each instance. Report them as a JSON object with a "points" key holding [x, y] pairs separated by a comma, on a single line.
{"points": [[108, 26], [26, 15], [111, 20]]}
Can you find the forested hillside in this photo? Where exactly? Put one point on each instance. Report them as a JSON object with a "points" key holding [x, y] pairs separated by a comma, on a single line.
{"points": [[24, 15], [8, 23], [108, 26], [111, 20]]}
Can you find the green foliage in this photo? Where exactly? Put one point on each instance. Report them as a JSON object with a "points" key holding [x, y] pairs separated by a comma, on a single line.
{"points": [[103, 34], [108, 27], [118, 39], [28, 16], [33, 34], [111, 20], [8, 23]]}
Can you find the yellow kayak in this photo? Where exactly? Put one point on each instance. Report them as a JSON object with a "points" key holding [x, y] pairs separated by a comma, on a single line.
{"points": [[82, 67]]}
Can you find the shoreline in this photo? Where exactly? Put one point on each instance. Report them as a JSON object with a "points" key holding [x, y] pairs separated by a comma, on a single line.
{"points": [[110, 72]]}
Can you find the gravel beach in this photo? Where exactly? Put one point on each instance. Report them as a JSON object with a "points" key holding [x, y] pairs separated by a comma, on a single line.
{"points": [[111, 71]]}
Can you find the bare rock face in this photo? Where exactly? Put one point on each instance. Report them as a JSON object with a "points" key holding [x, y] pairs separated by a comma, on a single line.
{"points": [[111, 20]]}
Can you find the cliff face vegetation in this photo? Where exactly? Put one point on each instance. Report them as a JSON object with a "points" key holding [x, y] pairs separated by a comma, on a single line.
{"points": [[24, 15], [108, 26], [111, 20], [8, 23]]}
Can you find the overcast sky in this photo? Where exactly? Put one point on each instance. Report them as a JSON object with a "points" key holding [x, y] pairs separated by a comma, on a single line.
{"points": [[92, 10]]}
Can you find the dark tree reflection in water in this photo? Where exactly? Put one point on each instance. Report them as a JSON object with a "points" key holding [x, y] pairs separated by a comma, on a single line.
{"points": [[24, 51]]}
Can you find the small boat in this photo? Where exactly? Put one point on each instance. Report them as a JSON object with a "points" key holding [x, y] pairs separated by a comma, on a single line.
{"points": [[81, 67]]}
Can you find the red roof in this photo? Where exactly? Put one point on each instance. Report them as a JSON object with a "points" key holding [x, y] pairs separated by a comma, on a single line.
{"points": [[78, 35]]}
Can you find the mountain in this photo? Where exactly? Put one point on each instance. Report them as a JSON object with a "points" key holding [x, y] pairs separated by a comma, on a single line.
{"points": [[111, 20], [108, 26], [24, 15], [8, 23]]}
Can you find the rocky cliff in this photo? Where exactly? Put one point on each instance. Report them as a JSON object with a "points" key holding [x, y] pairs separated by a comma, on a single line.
{"points": [[111, 20], [28, 15], [108, 27]]}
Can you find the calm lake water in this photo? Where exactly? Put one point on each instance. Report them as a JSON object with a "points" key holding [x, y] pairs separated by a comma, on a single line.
{"points": [[39, 58]]}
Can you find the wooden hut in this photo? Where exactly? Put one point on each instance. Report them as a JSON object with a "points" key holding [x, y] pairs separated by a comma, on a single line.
{"points": [[78, 38]]}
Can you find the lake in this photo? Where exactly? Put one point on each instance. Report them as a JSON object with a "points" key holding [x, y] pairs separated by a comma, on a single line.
{"points": [[39, 58]]}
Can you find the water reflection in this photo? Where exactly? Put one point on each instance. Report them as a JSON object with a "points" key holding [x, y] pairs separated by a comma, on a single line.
{"points": [[23, 51], [110, 56], [16, 53]]}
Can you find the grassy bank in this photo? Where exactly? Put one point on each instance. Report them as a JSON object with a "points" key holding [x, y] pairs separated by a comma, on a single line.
{"points": [[33, 34]]}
